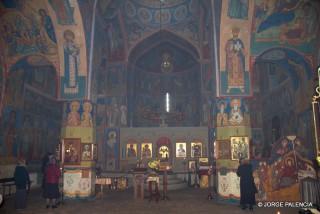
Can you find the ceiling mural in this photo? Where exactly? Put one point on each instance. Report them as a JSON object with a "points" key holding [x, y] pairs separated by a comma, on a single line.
{"points": [[143, 17]]}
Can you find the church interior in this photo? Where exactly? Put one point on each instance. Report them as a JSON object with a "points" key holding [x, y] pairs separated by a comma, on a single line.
{"points": [[159, 100]]}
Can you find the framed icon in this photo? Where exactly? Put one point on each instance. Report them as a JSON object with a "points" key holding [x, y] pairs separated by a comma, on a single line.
{"points": [[71, 151], [86, 152], [223, 149], [239, 148], [146, 150], [196, 149], [192, 165], [181, 150], [131, 150]]}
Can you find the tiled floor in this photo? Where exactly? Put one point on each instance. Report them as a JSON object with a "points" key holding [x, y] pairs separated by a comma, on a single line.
{"points": [[186, 201]]}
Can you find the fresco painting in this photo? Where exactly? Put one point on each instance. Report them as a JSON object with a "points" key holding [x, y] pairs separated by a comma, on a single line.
{"points": [[232, 112], [79, 114], [290, 23], [115, 49], [31, 114], [26, 28], [238, 9], [114, 80], [143, 19], [235, 75], [64, 11], [25, 128], [112, 145]]}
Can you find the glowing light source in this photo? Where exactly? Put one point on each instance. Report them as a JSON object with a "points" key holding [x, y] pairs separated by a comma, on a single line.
{"points": [[167, 102]]}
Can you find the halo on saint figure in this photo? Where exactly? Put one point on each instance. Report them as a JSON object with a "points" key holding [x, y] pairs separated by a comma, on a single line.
{"points": [[87, 105]]}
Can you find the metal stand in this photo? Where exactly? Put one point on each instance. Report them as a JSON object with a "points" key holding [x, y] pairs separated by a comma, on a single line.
{"points": [[165, 185]]}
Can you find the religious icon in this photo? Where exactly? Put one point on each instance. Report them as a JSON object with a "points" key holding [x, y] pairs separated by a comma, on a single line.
{"points": [[222, 117], [74, 116], [181, 151], [236, 116], [86, 118], [146, 150], [196, 149], [71, 63], [86, 151], [239, 148], [235, 62], [164, 152], [223, 150], [192, 166], [71, 151], [131, 150]]}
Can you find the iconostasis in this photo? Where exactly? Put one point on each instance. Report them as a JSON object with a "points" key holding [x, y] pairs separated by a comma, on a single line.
{"points": [[173, 145]]}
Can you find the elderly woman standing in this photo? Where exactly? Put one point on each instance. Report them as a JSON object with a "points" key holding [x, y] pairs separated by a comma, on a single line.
{"points": [[21, 180], [52, 175], [247, 187]]}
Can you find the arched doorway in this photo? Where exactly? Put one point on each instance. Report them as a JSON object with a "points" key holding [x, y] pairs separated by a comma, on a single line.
{"points": [[283, 87], [164, 82]]}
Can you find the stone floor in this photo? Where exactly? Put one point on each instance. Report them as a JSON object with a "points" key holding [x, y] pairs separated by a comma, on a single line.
{"points": [[185, 201]]}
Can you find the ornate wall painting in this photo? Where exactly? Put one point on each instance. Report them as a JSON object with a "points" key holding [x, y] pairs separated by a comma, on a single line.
{"points": [[72, 151], [181, 150], [240, 148], [146, 150], [234, 78], [116, 43], [73, 84], [86, 116], [64, 11], [223, 150], [191, 165], [115, 111], [144, 18], [73, 115], [196, 149], [132, 151], [257, 144], [78, 114], [116, 80], [112, 145], [293, 24], [232, 112], [207, 77], [27, 28], [238, 9], [86, 152]]}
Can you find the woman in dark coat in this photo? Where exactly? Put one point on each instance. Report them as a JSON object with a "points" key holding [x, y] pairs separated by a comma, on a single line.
{"points": [[247, 186], [22, 181]]}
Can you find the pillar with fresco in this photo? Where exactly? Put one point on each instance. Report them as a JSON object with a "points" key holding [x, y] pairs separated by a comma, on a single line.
{"points": [[78, 150], [233, 134]]}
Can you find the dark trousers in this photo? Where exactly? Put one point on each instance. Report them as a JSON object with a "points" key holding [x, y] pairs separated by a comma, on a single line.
{"points": [[20, 200]]}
